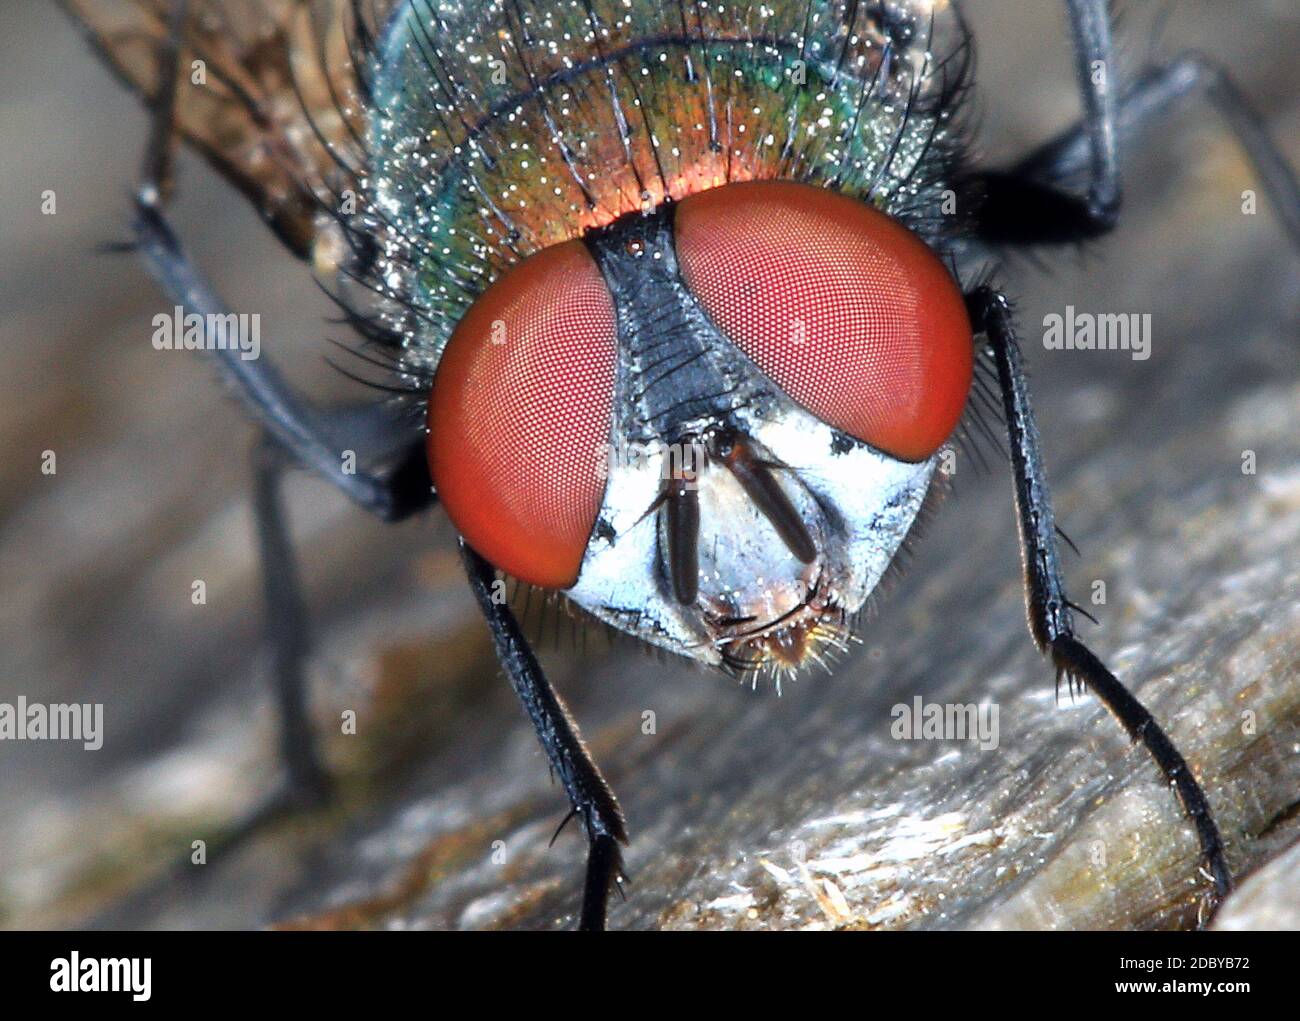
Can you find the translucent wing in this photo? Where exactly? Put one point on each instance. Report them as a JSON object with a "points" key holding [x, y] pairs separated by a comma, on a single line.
{"points": [[266, 91]]}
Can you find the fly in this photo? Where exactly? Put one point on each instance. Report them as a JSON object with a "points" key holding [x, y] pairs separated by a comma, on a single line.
{"points": [[679, 304]]}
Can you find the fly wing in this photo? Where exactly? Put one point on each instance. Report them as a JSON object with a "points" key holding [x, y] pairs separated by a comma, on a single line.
{"points": [[267, 92]]}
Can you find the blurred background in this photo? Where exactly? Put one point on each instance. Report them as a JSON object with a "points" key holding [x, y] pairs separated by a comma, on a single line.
{"points": [[745, 809]]}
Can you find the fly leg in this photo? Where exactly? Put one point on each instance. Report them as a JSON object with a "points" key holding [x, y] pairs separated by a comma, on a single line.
{"points": [[1028, 205], [286, 416], [1096, 74], [367, 427], [592, 800], [1017, 208], [286, 617], [340, 445], [1050, 619]]}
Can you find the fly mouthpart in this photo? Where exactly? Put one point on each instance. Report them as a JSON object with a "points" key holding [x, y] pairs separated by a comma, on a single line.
{"points": [[815, 630], [782, 650]]}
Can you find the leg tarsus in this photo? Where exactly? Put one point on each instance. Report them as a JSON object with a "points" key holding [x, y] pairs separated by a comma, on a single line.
{"points": [[1076, 659], [1050, 619], [592, 800]]}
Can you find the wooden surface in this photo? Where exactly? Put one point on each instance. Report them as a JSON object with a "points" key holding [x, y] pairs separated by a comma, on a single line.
{"points": [[746, 810]]}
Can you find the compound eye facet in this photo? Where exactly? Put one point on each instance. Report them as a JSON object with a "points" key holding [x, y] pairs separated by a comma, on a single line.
{"points": [[520, 412], [841, 306]]}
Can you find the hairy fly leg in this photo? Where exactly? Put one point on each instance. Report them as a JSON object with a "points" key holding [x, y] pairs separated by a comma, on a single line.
{"points": [[592, 800], [1028, 204], [1049, 609]]}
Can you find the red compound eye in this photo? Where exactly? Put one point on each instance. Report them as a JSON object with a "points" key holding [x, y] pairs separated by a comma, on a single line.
{"points": [[845, 309], [520, 414]]}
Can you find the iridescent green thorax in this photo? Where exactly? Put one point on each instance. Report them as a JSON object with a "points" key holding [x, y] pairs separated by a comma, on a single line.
{"points": [[500, 128]]}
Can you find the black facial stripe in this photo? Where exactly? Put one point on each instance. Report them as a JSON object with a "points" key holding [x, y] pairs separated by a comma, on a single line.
{"points": [[675, 367]]}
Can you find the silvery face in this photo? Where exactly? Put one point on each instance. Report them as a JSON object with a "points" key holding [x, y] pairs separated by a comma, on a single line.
{"points": [[758, 606]]}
